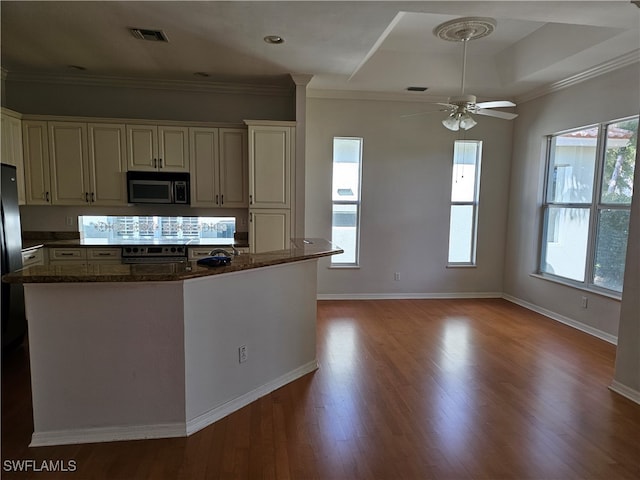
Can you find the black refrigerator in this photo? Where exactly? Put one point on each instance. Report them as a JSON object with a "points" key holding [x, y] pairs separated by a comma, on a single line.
{"points": [[14, 324]]}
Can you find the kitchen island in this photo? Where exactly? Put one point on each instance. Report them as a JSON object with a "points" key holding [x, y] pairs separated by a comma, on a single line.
{"points": [[122, 352]]}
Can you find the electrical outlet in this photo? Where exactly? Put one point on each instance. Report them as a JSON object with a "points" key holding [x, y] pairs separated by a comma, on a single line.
{"points": [[69, 221], [396, 276], [585, 302], [242, 353]]}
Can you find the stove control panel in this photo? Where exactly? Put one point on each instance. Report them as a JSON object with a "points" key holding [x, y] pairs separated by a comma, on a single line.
{"points": [[154, 251]]}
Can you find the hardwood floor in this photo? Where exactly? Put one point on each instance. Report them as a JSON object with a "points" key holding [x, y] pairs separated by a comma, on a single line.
{"points": [[407, 389]]}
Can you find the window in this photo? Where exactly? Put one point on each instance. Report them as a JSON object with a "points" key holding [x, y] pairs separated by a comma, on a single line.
{"points": [[587, 204], [345, 224], [118, 228], [465, 189]]}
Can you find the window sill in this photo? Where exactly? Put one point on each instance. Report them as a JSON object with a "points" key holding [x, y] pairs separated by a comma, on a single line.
{"points": [[568, 283], [461, 265], [343, 267]]}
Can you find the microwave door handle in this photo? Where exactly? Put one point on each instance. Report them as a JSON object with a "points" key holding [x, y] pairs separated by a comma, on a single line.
{"points": [[172, 192]]}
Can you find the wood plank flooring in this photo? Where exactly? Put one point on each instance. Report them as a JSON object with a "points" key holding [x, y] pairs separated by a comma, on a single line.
{"points": [[407, 389]]}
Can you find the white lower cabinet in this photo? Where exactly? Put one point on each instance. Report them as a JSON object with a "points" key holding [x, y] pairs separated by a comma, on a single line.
{"points": [[74, 256], [269, 229], [33, 256]]}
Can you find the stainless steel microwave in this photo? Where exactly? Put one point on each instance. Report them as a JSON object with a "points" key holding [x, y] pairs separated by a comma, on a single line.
{"points": [[158, 187]]}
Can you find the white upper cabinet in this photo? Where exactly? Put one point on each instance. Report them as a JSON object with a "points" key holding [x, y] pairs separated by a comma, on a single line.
{"points": [[35, 143], [158, 148], [270, 166], [68, 163], [218, 167], [107, 163], [74, 163], [12, 149]]}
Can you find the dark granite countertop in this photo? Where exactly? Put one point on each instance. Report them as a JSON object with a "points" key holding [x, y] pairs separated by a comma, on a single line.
{"points": [[301, 249]]}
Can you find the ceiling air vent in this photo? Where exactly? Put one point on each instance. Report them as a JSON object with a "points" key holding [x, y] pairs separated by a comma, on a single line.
{"points": [[151, 35]]}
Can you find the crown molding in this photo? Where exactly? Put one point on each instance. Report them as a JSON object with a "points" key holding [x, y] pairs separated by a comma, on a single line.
{"points": [[604, 68], [152, 84]]}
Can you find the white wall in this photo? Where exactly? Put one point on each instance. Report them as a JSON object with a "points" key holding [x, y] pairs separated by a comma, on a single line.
{"points": [[149, 103], [608, 97], [406, 187]]}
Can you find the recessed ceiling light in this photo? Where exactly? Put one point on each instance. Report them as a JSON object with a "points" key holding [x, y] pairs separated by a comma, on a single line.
{"points": [[202, 74], [76, 67], [416, 89], [274, 39]]}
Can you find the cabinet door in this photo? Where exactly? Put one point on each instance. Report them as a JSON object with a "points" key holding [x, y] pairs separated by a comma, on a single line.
{"points": [[204, 167], [269, 166], [142, 147], [173, 145], [107, 164], [234, 164], [69, 172], [269, 229], [36, 163], [12, 150]]}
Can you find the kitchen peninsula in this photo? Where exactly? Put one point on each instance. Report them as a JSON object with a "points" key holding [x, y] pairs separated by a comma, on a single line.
{"points": [[132, 351]]}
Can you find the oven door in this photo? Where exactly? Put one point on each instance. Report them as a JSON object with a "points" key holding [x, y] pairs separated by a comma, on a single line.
{"points": [[150, 191]]}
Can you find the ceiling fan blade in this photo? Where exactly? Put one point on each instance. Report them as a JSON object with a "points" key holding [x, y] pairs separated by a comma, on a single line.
{"points": [[448, 108], [496, 113], [496, 104], [407, 115]]}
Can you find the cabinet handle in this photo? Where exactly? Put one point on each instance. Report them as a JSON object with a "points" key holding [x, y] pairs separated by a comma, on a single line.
{"points": [[250, 199], [62, 254], [222, 199], [104, 254], [155, 163], [47, 196], [250, 216], [86, 197], [93, 197], [216, 199], [30, 257], [160, 160]]}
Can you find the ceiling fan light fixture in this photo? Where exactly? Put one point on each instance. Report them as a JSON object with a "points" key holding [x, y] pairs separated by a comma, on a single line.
{"points": [[452, 122], [467, 121]]}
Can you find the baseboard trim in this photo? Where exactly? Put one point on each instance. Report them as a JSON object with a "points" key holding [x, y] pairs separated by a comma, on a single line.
{"points": [[406, 296], [621, 389], [198, 423], [107, 434], [607, 337]]}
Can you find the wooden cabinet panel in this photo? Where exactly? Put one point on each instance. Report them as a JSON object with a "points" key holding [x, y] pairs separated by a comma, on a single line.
{"points": [[35, 143], [269, 229], [204, 167], [234, 167], [173, 149], [107, 164], [12, 150], [142, 147], [68, 163], [270, 166]]}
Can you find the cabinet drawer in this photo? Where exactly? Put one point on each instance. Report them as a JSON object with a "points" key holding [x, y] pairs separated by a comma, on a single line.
{"points": [[104, 254], [74, 253], [32, 257]]}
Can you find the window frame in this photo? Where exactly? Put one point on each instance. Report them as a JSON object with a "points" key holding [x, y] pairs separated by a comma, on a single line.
{"points": [[334, 259], [594, 208], [475, 204]]}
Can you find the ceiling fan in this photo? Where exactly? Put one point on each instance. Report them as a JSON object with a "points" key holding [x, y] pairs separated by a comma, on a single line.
{"points": [[462, 106]]}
